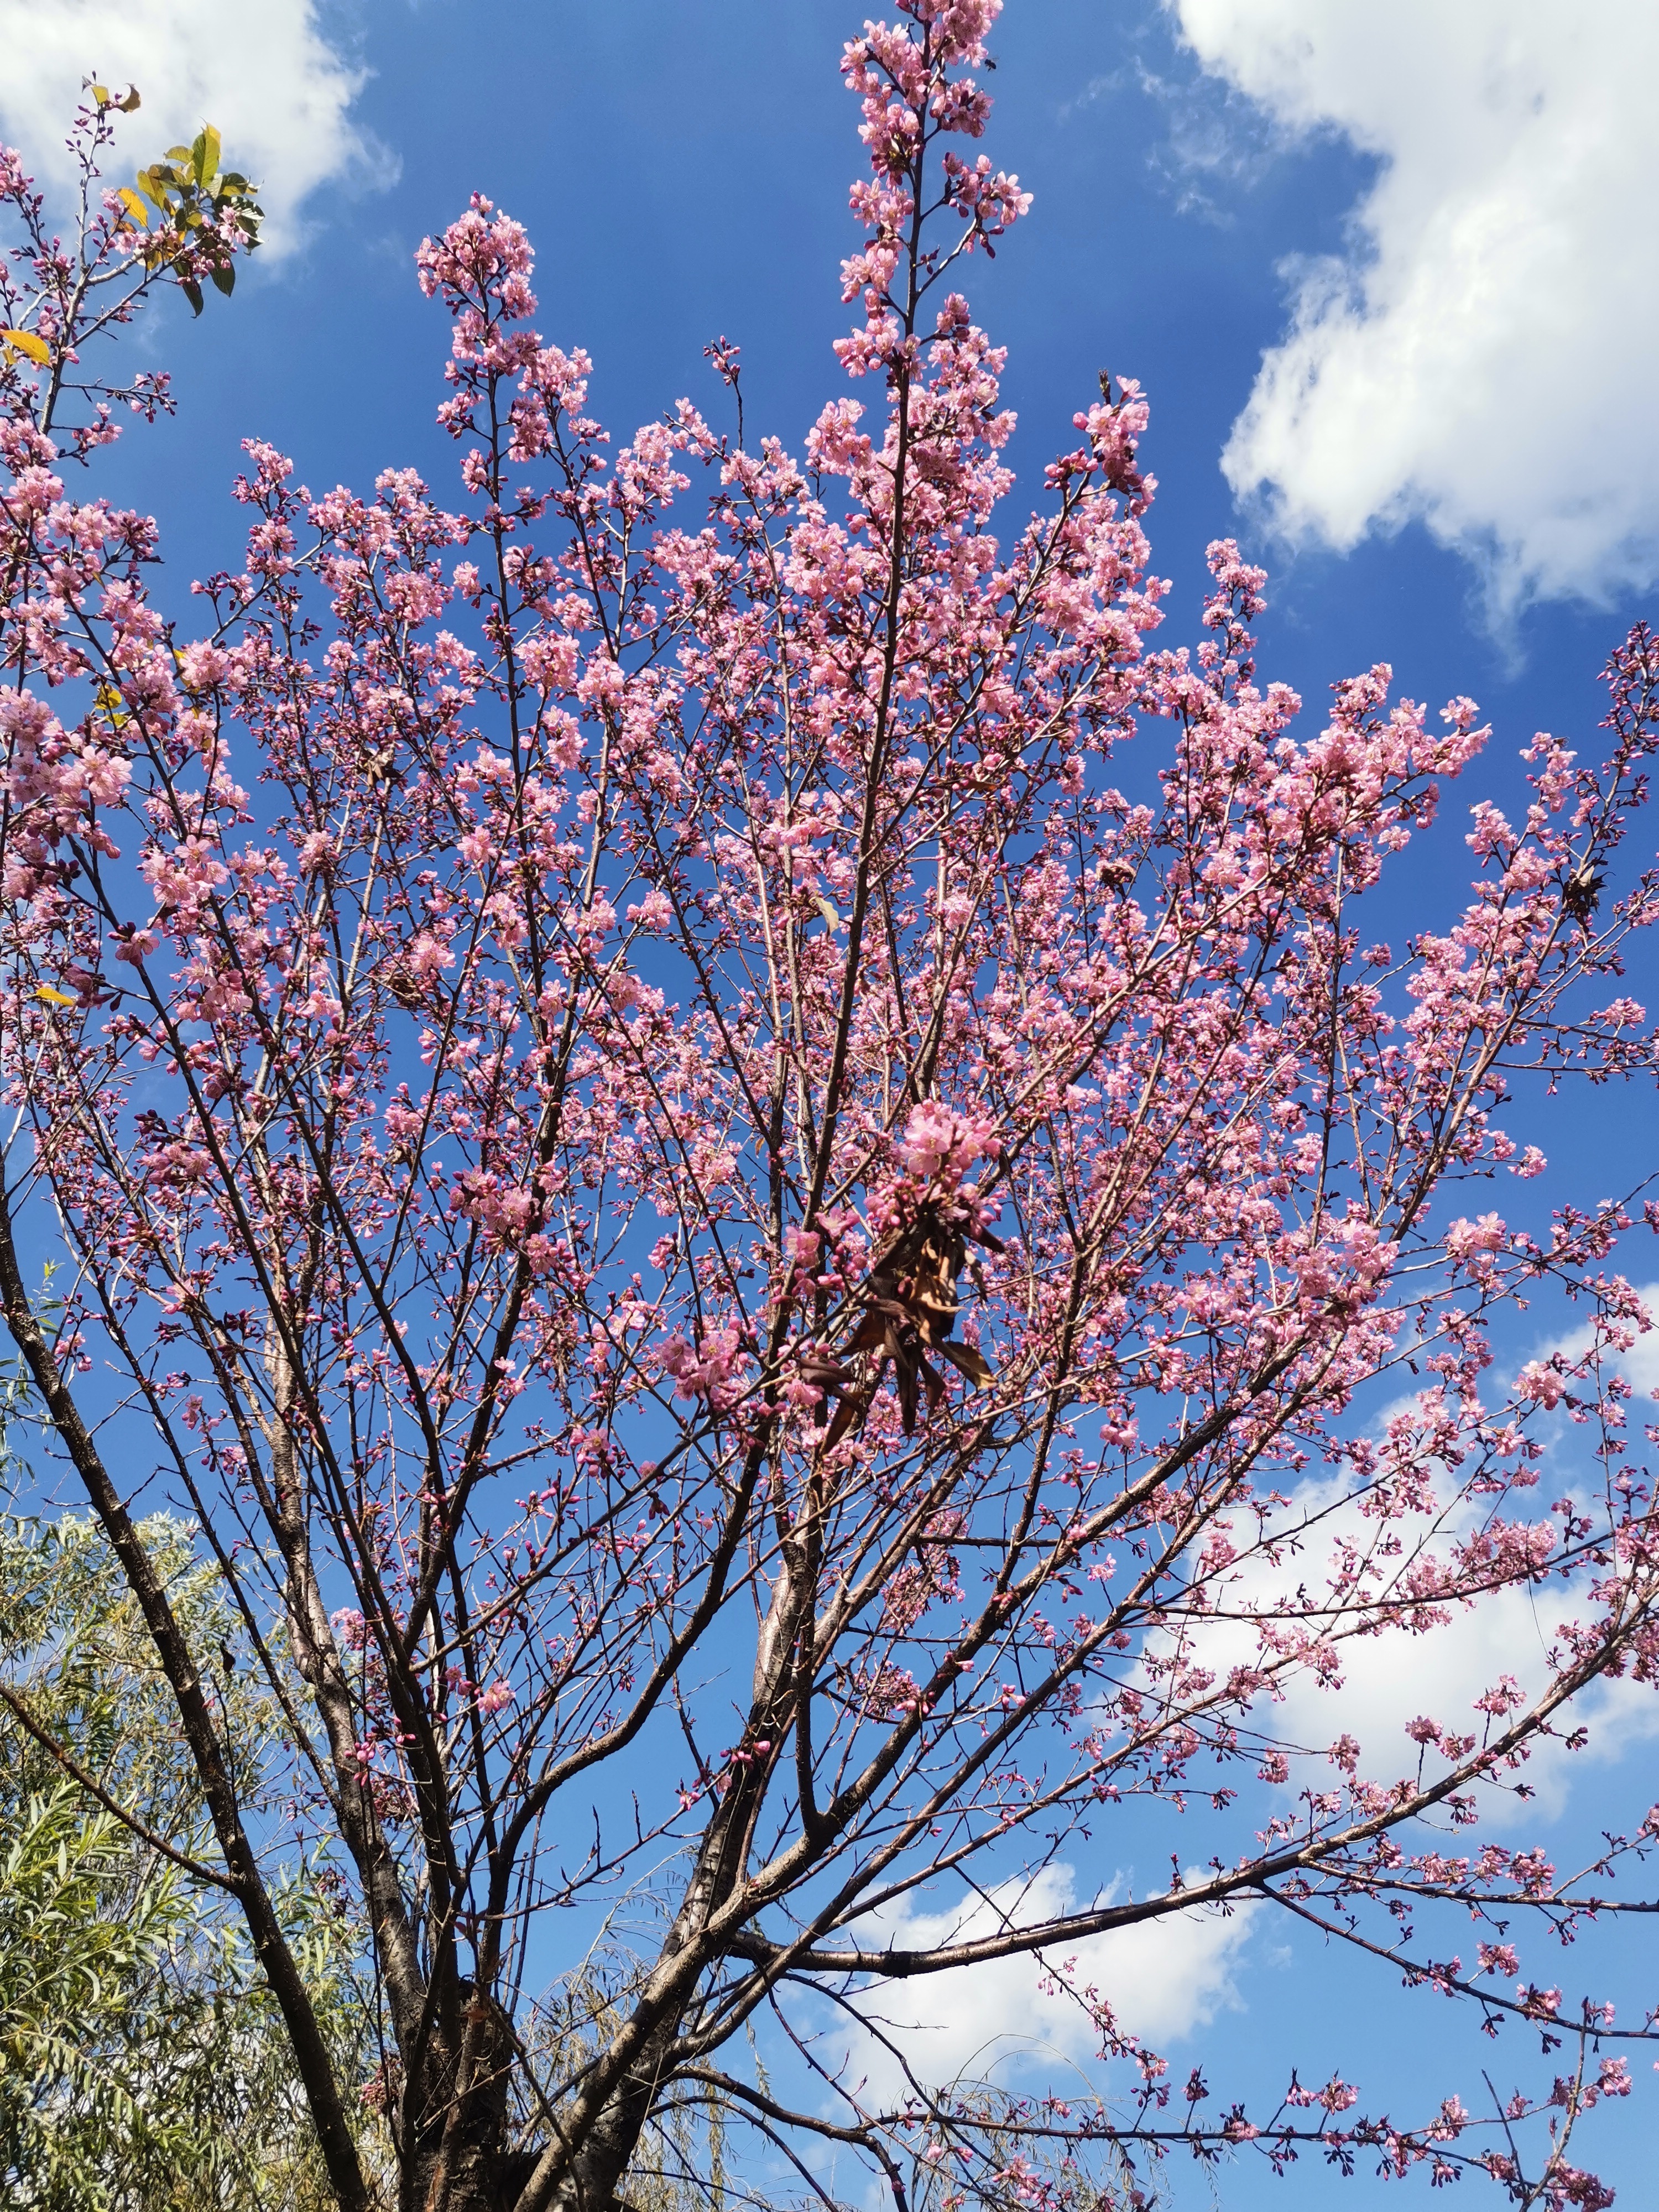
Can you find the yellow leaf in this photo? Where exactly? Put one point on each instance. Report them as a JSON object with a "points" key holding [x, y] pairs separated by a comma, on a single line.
{"points": [[134, 206], [54, 997], [968, 1362], [26, 342]]}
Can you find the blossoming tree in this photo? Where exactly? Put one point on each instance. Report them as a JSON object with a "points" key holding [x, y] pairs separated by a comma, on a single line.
{"points": [[751, 1256]]}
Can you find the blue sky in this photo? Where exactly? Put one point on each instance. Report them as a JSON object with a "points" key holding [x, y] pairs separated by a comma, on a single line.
{"points": [[1447, 460]]}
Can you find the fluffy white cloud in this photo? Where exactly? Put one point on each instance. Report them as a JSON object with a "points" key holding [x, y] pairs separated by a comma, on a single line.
{"points": [[1387, 1680], [1162, 1978], [279, 94], [1480, 358]]}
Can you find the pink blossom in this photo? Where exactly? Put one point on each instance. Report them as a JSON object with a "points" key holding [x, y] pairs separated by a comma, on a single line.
{"points": [[708, 1091], [1542, 1383]]}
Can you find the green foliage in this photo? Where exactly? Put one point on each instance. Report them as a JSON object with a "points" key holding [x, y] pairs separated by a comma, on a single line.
{"points": [[79, 1939], [193, 216], [143, 2065]]}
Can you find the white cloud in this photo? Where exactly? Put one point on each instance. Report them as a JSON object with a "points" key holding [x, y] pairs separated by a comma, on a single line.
{"points": [[1389, 1680], [1163, 1979], [1481, 357], [264, 73]]}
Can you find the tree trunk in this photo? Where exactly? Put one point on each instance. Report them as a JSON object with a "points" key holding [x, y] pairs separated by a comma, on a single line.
{"points": [[599, 2169], [455, 2155]]}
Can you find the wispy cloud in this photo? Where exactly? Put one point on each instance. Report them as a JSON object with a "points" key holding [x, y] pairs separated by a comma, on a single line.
{"points": [[1216, 146]]}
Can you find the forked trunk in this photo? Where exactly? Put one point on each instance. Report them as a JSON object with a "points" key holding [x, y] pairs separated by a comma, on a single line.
{"points": [[456, 2157]]}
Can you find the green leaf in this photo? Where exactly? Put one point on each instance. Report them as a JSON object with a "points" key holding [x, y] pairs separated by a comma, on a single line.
{"points": [[192, 292], [100, 94], [134, 206], [223, 274], [207, 164], [130, 101]]}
